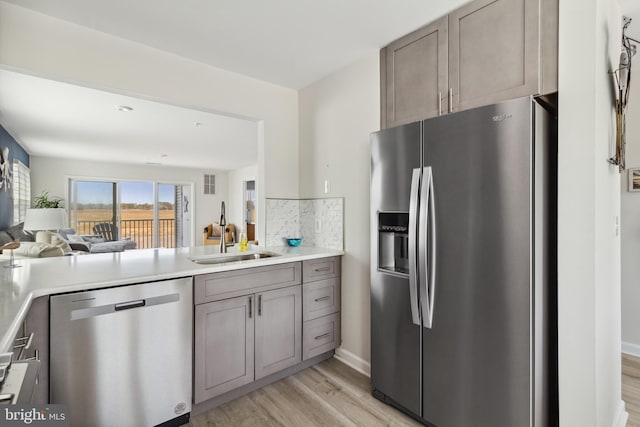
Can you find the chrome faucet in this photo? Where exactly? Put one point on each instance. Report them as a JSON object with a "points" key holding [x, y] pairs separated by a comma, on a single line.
{"points": [[223, 226]]}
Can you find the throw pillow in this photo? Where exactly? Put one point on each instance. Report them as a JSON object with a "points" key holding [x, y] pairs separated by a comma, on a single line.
{"points": [[94, 239], [17, 232], [63, 232], [75, 238], [5, 238], [61, 243]]}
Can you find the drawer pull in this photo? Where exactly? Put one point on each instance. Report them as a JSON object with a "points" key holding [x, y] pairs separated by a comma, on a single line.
{"points": [[36, 357], [250, 306], [318, 270], [319, 337], [24, 345], [322, 299], [24, 342], [259, 305], [6, 397]]}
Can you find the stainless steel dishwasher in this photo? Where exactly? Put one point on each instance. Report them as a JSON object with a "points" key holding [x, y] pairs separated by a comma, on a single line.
{"points": [[123, 356]]}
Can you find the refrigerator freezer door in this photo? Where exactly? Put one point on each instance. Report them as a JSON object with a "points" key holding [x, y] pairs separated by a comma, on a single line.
{"points": [[395, 339], [477, 355]]}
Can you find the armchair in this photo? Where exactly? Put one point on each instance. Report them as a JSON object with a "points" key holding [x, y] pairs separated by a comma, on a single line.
{"points": [[212, 233]]}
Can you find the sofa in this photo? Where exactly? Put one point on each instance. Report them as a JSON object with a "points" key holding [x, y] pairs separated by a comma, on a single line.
{"points": [[46, 244]]}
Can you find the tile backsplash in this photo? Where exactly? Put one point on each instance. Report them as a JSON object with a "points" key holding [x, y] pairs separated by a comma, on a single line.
{"points": [[320, 222]]}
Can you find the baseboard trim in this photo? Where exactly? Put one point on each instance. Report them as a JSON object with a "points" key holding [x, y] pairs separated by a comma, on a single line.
{"points": [[622, 415], [353, 361], [632, 349]]}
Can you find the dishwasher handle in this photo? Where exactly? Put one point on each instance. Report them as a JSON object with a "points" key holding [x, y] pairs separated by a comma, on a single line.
{"points": [[100, 310], [129, 305]]}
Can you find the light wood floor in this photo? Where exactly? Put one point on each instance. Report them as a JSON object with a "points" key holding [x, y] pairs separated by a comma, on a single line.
{"points": [[631, 388], [327, 394], [332, 394]]}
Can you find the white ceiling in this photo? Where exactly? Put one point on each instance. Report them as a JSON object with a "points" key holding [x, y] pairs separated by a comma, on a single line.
{"points": [[56, 119], [287, 42]]}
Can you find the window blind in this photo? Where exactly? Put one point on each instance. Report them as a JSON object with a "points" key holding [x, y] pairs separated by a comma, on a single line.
{"points": [[21, 191]]}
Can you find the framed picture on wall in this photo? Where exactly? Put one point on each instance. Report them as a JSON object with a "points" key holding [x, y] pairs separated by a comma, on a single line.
{"points": [[634, 179]]}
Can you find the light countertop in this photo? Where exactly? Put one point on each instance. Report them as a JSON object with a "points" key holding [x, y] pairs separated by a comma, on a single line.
{"points": [[48, 276]]}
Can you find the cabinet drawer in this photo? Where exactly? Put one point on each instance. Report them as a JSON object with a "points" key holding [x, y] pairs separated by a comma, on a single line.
{"points": [[320, 335], [230, 284], [320, 269], [321, 298]]}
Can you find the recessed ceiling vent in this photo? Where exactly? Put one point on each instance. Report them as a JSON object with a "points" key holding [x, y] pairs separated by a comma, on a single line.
{"points": [[209, 184]]}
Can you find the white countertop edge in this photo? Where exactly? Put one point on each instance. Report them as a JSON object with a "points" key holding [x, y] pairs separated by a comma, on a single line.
{"points": [[6, 343], [8, 335]]}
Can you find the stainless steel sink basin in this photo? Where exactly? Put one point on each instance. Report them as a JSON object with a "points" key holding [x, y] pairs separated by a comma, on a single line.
{"points": [[224, 258]]}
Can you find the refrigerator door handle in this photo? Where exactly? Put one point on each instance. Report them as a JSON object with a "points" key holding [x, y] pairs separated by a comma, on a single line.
{"points": [[426, 247], [413, 234]]}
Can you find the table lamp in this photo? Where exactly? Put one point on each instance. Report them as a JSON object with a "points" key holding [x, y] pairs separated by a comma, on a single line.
{"points": [[45, 219]]}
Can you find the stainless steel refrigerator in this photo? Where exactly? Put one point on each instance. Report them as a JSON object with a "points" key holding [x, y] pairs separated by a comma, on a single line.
{"points": [[463, 267]]}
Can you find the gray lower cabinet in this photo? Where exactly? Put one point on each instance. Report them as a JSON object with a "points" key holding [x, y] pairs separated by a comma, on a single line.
{"points": [[240, 340], [278, 330], [481, 53], [32, 343], [248, 325], [224, 352], [252, 323], [321, 306]]}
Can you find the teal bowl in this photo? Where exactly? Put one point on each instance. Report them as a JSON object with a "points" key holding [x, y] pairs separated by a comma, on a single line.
{"points": [[294, 241]]}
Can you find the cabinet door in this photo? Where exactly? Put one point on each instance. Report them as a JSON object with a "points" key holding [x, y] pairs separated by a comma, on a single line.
{"points": [[414, 76], [224, 333], [278, 330], [493, 51], [37, 323]]}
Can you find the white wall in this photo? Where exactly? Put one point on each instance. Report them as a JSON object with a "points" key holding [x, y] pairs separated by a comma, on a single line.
{"points": [[235, 202], [337, 114], [588, 248], [51, 174], [630, 232], [52, 48]]}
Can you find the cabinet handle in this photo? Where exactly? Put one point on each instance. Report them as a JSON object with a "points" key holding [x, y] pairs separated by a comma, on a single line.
{"points": [[319, 337], [259, 305], [250, 306], [439, 103], [451, 100], [322, 299], [317, 270]]}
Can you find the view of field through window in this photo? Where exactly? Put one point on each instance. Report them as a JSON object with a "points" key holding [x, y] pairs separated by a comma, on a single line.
{"points": [[96, 202]]}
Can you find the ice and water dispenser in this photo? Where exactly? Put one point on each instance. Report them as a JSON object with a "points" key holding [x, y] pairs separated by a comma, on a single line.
{"points": [[393, 242]]}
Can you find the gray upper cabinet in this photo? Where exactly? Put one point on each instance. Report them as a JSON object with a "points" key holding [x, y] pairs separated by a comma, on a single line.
{"points": [[493, 52], [278, 330], [414, 75], [497, 50]]}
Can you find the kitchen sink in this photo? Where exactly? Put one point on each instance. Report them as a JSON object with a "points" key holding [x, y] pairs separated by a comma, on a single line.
{"points": [[224, 258]]}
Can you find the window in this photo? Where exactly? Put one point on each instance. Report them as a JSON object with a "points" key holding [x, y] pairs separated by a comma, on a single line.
{"points": [[21, 191], [147, 212]]}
